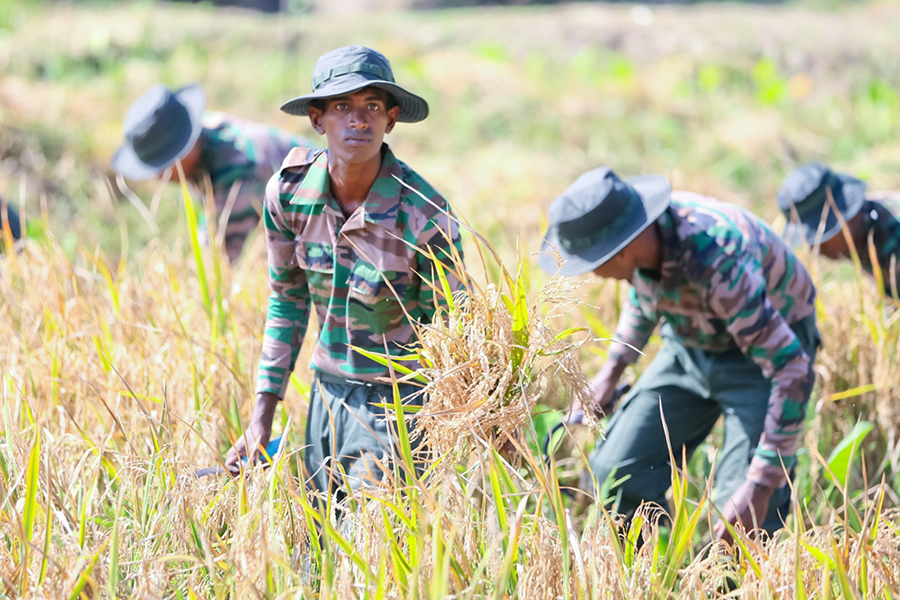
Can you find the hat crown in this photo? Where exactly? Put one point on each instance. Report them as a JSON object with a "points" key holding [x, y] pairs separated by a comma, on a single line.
{"points": [[806, 192], [156, 121], [804, 186], [361, 60], [596, 204]]}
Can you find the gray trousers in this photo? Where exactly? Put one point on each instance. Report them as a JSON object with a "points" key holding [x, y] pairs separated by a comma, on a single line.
{"points": [[349, 439], [695, 388]]}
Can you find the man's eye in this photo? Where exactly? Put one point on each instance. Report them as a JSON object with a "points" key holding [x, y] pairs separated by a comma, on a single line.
{"points": [[373, 107], [341, 106]]}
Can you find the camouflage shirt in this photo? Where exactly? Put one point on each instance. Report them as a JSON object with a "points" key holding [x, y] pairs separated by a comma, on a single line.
{"points": [[240, 157], [727, 281], [881, 222], [364, 274]]}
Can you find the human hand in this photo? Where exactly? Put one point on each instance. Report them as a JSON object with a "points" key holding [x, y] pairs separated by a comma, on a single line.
{"points": [[603, 392], [256, 435], [746, 508]]}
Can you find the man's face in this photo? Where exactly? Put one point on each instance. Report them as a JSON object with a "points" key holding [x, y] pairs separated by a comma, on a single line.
{"points": [[836, 247], [189, 164], [621, 266], [355, 124]]}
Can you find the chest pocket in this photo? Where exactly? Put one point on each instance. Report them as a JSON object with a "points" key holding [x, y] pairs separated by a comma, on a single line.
{"points": [[315, 257], [374, 306]]}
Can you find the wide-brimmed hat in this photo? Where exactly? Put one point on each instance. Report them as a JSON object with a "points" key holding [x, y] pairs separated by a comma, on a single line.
{"points": [[805, 190], [160, 127], [598, 216], [346, 70]]}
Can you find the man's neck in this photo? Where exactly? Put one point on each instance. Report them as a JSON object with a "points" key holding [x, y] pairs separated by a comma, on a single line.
{"points": [[351, 182], [650, 248], [859, 233]]}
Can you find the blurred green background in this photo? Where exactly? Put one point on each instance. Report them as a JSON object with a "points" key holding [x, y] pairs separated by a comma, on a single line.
{"points": [[722, 98]]}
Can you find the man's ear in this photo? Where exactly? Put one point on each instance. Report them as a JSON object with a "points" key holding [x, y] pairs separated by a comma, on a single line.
{"points": [[315, 119], [393, 114]]}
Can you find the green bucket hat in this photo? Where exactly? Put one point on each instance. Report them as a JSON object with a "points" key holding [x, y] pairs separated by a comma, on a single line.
{"points": [[805, 190], [598, 216], [160, 127], [346, 70]]}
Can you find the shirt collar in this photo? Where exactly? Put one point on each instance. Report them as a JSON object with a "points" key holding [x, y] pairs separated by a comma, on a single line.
{"points": [[382, 203], [869, 214]]}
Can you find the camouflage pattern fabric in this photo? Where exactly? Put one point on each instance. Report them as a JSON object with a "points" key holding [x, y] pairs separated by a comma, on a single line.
{"points": [[881, 223], [364, 274], [729, 282], [240, 157]]}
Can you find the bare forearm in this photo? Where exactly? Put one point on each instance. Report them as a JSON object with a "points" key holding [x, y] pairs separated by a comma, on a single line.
{"points": [[264, 410], [611, 371]]}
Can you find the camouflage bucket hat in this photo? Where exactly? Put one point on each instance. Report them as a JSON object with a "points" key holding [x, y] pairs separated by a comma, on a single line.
{"points": [[160, 127], [805, 191], [598, 216], [346, 70]]}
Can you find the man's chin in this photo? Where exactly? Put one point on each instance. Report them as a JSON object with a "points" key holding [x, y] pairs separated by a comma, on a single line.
{"points": [[359, 152]]}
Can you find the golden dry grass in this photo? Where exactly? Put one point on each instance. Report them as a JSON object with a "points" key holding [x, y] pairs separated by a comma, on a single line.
{"points": [[118, 381]]}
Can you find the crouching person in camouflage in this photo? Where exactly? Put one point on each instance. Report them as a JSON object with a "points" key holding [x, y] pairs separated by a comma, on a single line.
{"points": [[739, 339], [803, 198], [238, 156], [345, 228]]}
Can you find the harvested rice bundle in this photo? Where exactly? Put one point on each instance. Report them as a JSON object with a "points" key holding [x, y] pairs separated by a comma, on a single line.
{"points": [[487, 362]]}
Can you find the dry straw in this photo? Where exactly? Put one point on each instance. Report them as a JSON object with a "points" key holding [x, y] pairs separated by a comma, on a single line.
{"points": [[489, 354]]}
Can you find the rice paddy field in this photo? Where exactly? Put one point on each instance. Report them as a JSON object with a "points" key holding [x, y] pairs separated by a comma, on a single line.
{"points": [[128, 353]]}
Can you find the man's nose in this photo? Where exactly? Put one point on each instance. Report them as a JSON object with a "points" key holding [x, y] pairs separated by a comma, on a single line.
{"points": [[358, 118]]}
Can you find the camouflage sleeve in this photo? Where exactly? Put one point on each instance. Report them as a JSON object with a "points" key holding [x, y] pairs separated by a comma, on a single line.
{"points": [[289, 302], [633, 331], [440, 235], [738, 296]]}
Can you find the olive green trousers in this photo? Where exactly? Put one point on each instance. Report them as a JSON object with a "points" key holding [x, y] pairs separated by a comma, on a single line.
{"points": [[694, 388]]}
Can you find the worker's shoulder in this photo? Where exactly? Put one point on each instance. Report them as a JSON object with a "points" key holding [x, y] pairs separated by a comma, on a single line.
{"points": [[299, 159], [417, 193]]}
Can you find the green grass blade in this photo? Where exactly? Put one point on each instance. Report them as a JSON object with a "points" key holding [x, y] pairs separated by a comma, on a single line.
{"points": [[32, 482], [192, 223], [840, 461]]}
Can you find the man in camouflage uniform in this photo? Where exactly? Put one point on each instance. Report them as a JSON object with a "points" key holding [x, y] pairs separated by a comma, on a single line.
{"points": [[739, 339], [345, 229], [803, 199], [238, 156]]}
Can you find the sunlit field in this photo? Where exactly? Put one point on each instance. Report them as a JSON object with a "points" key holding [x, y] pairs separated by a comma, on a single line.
{"points": [[128, 353]]}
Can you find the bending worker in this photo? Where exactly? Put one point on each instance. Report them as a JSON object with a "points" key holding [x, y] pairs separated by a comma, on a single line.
{"points": [[739, 339], [238, 156], [803, 199]]}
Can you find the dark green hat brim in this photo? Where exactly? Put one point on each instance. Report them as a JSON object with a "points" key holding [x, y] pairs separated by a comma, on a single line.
{"points": [[126, 160], [654, 192], [412, 107], [854, 194]]}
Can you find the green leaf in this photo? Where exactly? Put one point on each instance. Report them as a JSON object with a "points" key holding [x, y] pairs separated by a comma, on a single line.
{"points": [[192, 223], [841, 459], [32, 481], [391, 362]]}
